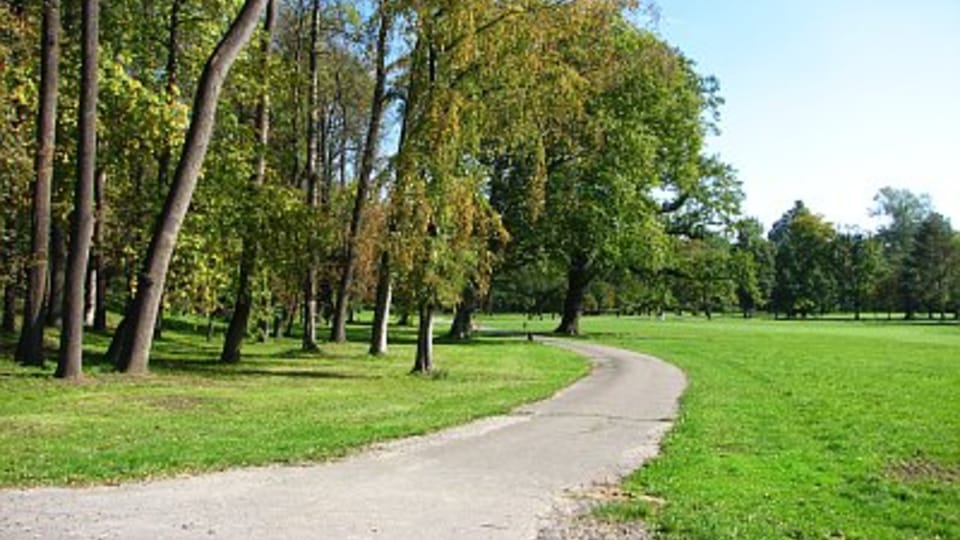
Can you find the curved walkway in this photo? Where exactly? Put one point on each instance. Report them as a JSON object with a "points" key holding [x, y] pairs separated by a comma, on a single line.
{"points": [[500, 477]]}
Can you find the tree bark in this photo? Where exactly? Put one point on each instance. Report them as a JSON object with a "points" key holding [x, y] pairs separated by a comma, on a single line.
{"points": [[423, 363], [70, 361], [338, 332], [173, 62], [381, 312], [310, 280], [578, 279], [462, 326], [99, 264], [30, 347], [58, 264], [240, 320], [134, 354]]}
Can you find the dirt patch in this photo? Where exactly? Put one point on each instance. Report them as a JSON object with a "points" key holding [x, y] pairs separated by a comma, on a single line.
{"points": [[924, 470], [577, 519]]}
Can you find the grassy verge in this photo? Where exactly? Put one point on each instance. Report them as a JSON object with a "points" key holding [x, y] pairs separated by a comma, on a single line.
{"points": [[800, 429], [279, 405]]}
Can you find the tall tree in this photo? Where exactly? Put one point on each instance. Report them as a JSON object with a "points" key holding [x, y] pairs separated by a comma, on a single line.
{"points": [[641, 135], [310, 289], [244, 302], [338, 332], [137, 334], [69, 364], [30, 346]]}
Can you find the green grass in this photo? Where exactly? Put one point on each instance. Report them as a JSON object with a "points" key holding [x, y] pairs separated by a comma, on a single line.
{"points": [[800, 429], [278, 406]]}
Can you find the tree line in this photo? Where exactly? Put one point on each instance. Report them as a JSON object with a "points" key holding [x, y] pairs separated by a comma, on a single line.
{"points": [[275, 163], [804, 266]]}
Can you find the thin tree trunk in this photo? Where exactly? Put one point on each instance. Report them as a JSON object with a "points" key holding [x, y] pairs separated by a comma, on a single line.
{"points": [[578, 279], [70, 362], [58, 266], [310, 280], [381, 312], [134, 354], [30, 347], [248, 259], [173, 57], [423, 363], [100, 300], [338, 331]]}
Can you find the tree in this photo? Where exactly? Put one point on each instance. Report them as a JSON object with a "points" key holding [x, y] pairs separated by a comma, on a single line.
{"points": [[930, 266], [338, 327], [857, 268], [752, 265], [805, 280], [69, 364], [640, 136], [30, 346], [243, 305], [137, 331], [904, 211]]}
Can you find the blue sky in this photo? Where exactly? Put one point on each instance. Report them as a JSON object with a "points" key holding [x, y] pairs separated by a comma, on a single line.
{"points": [[828, 101]]}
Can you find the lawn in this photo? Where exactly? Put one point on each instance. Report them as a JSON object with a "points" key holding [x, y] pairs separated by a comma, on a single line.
{"points": [[800, 429], [279, 405]]}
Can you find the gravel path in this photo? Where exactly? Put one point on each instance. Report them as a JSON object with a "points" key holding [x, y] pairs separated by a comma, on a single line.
{"points": [[518, 476]]}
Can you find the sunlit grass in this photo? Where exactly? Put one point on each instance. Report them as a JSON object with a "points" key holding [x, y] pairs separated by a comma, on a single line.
{"points": [[799, 429]]}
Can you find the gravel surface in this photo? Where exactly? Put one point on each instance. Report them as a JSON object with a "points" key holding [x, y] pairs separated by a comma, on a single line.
{"points": [[517, 476]]}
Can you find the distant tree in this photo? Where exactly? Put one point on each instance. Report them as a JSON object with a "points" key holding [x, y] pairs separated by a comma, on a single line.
{"points": [[930, 266], [858, 265], [903, 211], [752, 266], [706, 282], [805, 281]]}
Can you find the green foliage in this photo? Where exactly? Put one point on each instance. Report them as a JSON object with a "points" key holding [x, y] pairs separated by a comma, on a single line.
{"points": [[805, 278]]}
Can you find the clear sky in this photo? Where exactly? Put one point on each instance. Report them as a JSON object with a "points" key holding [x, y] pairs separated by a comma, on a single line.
{"points": [[828, 101]]}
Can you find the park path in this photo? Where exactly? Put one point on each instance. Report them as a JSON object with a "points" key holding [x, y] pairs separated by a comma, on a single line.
{"points": [[501, 477]]}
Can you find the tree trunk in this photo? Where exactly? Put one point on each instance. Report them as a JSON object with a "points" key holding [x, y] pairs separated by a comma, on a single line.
{"points": [[30, 347], [70, 362], [462, 326], [240, 319], [100, 300], [578, 279], [381, 312], [338, 331], [423, 363], [310, 280], [134, 353], [58, 266], [173, 56]]}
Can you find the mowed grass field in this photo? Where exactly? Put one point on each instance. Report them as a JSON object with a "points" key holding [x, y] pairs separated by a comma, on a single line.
{"points": [[799, 429], [278, 405]]}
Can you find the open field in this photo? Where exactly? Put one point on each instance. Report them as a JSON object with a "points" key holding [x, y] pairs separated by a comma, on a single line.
{"points": [[278, 405], [800, 429]]}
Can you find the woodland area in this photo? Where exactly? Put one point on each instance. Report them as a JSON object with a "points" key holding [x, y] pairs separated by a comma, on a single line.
{"points": [[280, 163]]}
